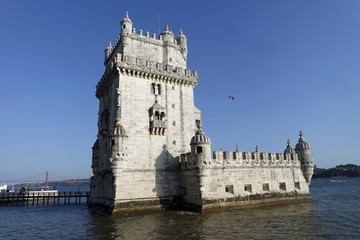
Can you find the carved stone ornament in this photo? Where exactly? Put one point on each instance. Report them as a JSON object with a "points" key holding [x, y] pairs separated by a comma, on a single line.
{"points": [[127, 60], [168, 68], [139, 62], [159, 66], [148, 64]]}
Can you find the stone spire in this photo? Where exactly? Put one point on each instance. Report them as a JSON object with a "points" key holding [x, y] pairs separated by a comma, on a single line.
{"points": [[182, 42]]}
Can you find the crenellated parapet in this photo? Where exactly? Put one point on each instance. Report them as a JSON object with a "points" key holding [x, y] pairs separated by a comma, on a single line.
{"points": [[166, 38], [243, 159], [254, 158]]}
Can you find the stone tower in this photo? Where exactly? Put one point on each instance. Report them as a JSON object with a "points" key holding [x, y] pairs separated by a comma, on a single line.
{"points": [[146, 119]]}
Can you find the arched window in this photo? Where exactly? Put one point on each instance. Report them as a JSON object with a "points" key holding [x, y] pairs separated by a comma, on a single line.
{"points": [[198, 149], [162, 116], [156, 89], [159, 89], [157, 115], [152, 88]]}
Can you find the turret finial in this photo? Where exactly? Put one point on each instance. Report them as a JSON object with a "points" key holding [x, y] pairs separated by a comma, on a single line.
{"points": [[166, 28], [127, 15], [257, 148], [181, 32], [288, 142]]}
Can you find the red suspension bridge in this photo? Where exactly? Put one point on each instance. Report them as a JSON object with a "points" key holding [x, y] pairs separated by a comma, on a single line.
{"points": [[43, 177]]}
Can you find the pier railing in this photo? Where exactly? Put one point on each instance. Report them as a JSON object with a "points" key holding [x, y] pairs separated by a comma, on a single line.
{"points": [[44, 198]]}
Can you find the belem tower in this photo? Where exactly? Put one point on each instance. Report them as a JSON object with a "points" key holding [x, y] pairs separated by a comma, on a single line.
{"points": [[151, 151]]}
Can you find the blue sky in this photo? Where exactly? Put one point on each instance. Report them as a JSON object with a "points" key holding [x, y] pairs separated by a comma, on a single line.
{"points": [[291, 65]]}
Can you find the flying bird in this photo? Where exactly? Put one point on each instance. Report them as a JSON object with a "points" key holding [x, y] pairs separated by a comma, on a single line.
{"points": [[231, 98]]}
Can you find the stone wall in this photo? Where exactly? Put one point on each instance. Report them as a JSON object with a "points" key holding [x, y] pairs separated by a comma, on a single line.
{"points": [[235, 176]]}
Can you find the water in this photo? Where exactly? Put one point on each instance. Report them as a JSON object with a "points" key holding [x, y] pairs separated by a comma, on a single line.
{"points": [[333, 214]]}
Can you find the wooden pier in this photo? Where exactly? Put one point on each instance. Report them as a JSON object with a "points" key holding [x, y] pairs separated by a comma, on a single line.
{"points": [[39, 198]]}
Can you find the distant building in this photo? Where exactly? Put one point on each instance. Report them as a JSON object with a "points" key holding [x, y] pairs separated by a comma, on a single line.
{"points": [[151, 151]]}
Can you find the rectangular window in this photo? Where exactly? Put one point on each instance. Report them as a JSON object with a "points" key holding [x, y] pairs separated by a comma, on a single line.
{"points": [[297, 185], [248, 188], [282, 186], [198, 149], [265, 187], [229, 189]]}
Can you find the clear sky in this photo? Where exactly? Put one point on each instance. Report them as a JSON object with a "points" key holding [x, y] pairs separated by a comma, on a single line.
{"points": [[291, 65]]}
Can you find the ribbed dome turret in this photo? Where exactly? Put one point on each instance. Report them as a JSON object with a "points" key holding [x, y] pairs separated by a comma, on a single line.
{"points": [[302, 144], [289, 148], [200, 138], [118, 130]]}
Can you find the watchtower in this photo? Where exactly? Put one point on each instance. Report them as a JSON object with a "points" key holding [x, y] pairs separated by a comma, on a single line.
{"points": [[146, 118]]}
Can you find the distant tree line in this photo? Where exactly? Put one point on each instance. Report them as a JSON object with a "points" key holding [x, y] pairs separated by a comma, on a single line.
{"points": [[347, 170]]}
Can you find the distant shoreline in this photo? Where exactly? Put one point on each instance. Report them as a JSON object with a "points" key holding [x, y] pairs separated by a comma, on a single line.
{"points": [[341, 171]]}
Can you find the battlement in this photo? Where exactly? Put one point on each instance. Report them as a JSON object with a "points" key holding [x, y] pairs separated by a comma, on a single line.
{"points": [[147, 38], [243, 159], [147, 69]]}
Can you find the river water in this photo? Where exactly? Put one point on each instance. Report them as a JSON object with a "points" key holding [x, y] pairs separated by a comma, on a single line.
{"points": [[334, 213]]}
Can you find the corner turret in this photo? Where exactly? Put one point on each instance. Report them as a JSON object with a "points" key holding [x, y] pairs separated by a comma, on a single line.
{"points": [[181, 41], [200, 148], [167, 35], [126, 25], [289, 149], [118, 146], [108, 51], [303, 149]]}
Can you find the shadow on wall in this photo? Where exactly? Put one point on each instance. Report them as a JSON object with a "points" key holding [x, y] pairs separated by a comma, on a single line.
{"points": [[166, 179]]}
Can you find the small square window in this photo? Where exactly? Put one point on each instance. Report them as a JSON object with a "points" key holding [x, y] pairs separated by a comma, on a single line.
{"points": [[248, 188], [282, 186], [265, 187], [297, 185], [229, 189]]}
